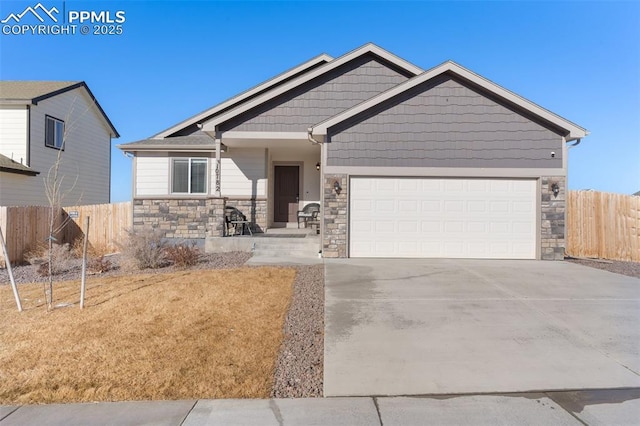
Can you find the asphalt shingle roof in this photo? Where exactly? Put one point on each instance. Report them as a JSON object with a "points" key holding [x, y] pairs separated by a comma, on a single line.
{"points": [[28, 90], [196, 139], [8, 165]]}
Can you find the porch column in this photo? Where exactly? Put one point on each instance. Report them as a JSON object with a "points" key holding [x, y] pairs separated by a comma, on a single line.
{"points": [[218, 167]]}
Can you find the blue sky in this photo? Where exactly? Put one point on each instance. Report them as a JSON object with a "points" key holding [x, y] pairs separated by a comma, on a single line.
{"points": [[174, 59]]}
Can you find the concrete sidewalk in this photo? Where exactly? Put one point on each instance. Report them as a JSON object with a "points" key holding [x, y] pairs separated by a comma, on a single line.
{"points": [[595, 407]]}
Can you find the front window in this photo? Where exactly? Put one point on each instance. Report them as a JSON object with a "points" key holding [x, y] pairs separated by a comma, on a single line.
{"points": [[53, 133], [189, 176]]}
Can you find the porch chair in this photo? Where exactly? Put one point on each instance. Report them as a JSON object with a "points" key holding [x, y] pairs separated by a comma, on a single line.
{"points": [[233, 219], [308, 213]]}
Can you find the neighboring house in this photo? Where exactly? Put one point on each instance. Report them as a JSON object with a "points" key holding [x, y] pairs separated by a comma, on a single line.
{"points": [[39, 120], [404, 162]]}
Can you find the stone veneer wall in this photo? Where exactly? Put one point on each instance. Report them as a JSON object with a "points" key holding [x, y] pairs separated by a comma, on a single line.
{"points": [[334, 237], [180, 218], [552, 229], [254, 209]]}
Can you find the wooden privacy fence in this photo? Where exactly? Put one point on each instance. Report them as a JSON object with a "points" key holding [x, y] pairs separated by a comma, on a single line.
{"points": [[603, 225], [27, 227]]}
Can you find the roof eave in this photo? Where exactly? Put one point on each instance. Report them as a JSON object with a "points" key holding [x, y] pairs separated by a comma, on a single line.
{"points": [[114, 132], [34, 101], [244, 95], [211, 124], [573, 131], [11, 102], [164, 147], [19, 171]]}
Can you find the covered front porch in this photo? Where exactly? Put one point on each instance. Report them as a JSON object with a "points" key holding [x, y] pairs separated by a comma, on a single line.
{"points": [[268, 177]]}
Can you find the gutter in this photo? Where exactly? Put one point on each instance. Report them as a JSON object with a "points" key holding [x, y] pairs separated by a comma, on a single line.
{"points": [[576, 143], [310, 137]]}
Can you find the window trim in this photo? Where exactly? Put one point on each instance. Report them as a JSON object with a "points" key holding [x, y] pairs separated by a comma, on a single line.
{"points": [[190, 162], [55, 120]]}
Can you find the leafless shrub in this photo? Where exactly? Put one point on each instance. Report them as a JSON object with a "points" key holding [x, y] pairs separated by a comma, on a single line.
{"points": [[145, 249], [60, 258], [93, 251], [99, 265], [183, 254], [36, 255]]}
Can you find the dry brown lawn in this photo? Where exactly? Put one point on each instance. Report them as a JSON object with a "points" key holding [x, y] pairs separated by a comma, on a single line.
{"points": [[182, 335]]}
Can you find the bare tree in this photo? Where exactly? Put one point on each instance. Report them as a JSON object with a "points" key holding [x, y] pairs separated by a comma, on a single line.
{"points": [[56, 192]]}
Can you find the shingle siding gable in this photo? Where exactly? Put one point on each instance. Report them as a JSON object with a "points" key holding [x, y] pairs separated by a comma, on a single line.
{"points": [[320, 98], [443, 123]]}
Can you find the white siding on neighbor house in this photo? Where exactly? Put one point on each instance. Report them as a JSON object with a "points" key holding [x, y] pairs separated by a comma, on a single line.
{"points": [[12, 191], [86, 159], [13, 133], [152, 174], [243, 173]]}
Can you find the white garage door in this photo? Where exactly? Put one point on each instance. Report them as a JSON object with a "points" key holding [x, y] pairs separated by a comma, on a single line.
{"points": [[455, 218]]}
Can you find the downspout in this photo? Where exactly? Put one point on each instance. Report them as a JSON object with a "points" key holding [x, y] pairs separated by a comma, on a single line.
{"points": [[310, 137], [566, 183]]}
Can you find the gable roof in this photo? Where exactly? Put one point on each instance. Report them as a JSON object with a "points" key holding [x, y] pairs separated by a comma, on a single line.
{"points": [[368, 48], [20, 92], [246, 95], [572, 130], [10, 166]]}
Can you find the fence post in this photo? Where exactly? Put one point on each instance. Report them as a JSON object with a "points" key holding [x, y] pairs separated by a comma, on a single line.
{"points": [[84, 261], [10, 271]]}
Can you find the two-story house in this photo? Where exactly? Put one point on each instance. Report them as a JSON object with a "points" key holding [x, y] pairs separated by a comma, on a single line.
{"points": [[42, 122]]}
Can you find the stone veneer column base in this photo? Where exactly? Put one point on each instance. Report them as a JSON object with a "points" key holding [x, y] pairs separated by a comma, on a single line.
{"points": [[180, 218], [552, 227], [334, 237]]}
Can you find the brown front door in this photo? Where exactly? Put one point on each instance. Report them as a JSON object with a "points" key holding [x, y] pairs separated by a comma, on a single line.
{"points": [[286, 192]]}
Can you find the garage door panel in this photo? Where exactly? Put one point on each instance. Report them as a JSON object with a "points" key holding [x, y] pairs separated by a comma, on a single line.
{"points": [[408, 206], [430, 206], [408, 226], [454, 185], [499, 206], [425, 217], [361, 205], [408, 185], [384, 226]]}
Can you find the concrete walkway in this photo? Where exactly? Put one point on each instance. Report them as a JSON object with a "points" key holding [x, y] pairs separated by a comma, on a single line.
{"points": [[443, 326], [619, 407]]}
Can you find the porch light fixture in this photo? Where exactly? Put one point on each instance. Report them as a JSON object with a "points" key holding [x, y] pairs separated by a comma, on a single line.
{"points": [[556, 189], [337, 187], [318, 166]]}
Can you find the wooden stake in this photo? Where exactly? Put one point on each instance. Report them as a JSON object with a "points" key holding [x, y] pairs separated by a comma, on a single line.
{"points": [[7, 261], [84, 261]]}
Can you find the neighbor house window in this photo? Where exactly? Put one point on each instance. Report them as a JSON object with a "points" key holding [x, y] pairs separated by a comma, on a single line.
{"points": [[189, 176], [53, 132]]}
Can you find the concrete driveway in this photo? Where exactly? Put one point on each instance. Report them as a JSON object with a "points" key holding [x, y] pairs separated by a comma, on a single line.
{"points": [[434, 326]]}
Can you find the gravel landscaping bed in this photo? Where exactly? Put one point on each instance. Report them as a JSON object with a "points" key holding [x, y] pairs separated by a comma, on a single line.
{"points": [[631, 269], [299, 368], [29, 273]]}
